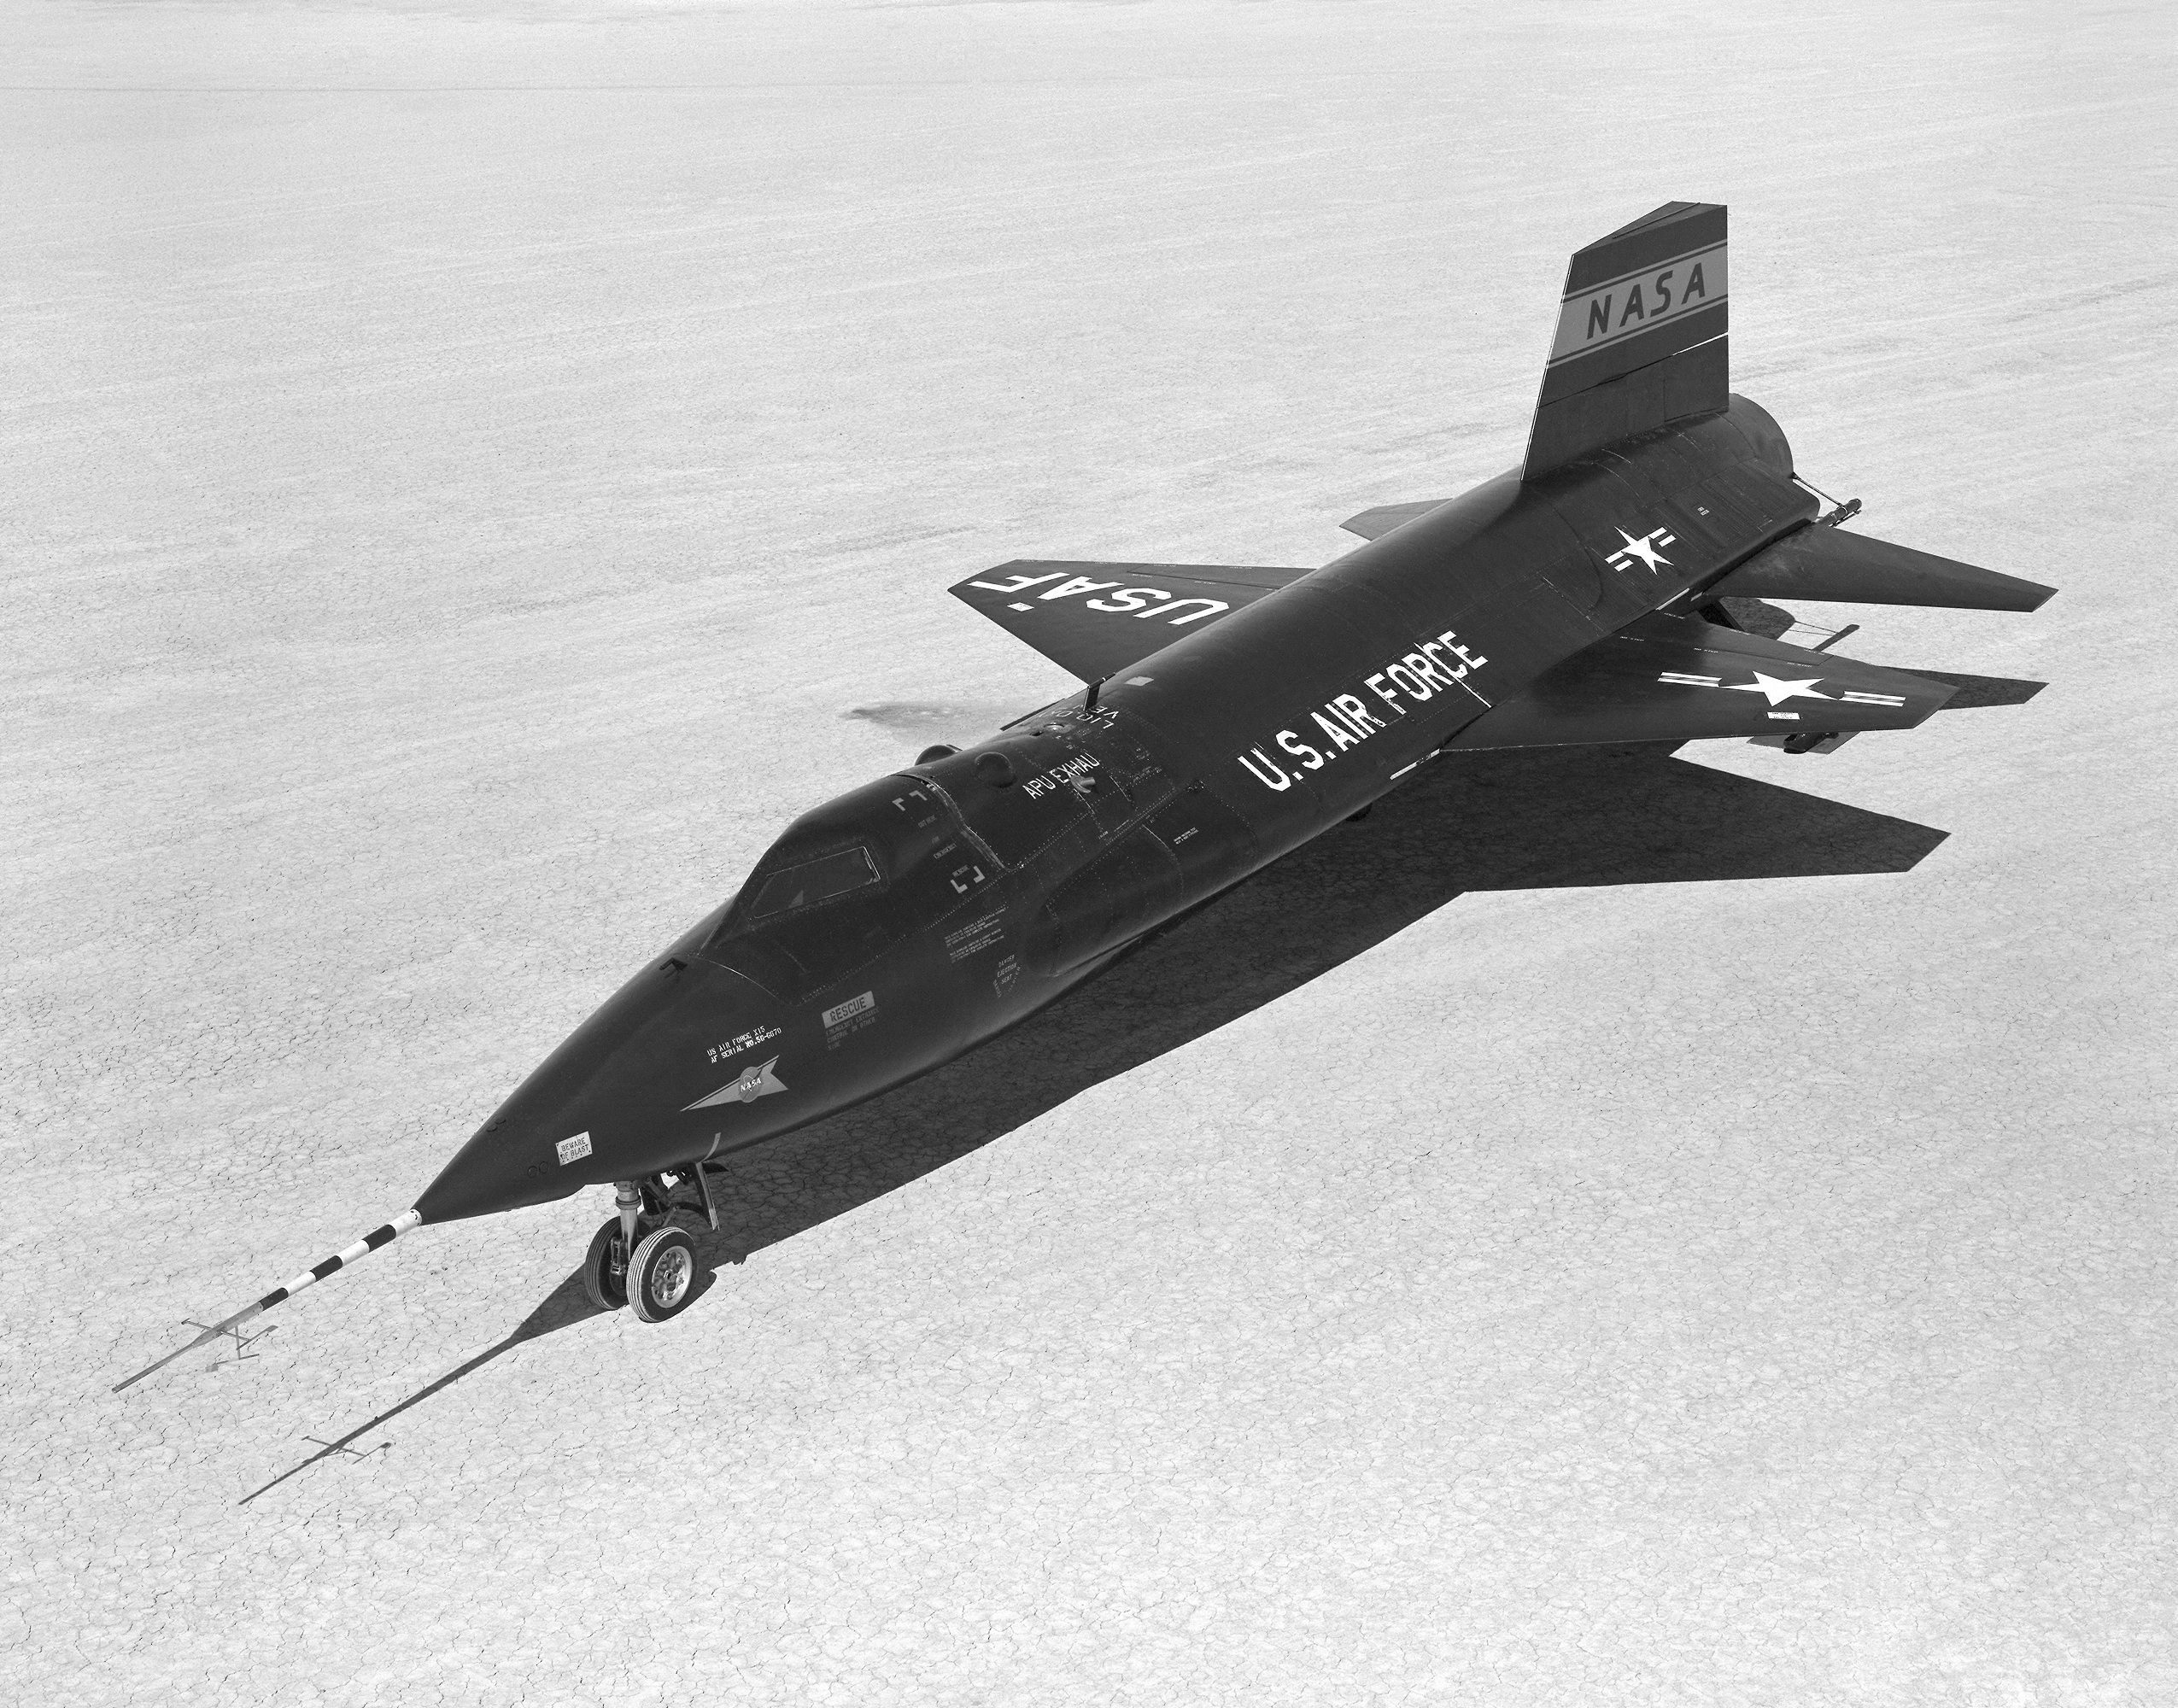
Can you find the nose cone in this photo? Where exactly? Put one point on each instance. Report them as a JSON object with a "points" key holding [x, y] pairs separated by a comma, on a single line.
{"points": [[507, 1163], [590, 1110]]}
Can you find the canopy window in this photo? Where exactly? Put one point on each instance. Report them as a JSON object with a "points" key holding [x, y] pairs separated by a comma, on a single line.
{"points": [[813, 882]]}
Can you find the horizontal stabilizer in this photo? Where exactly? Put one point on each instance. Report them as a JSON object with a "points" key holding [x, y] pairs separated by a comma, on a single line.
{"points": [[1828, 564], [1680, 679], [1096, 619], [1373, 525]]}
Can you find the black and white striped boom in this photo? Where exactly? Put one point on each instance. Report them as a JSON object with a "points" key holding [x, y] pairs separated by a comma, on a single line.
{"points": [[370, 1241]]}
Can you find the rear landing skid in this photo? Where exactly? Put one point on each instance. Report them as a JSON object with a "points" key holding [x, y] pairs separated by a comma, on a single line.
{"points": [[1808, 742]]}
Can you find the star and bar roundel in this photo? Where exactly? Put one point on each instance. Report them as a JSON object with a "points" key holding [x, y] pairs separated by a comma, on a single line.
{"points": [[1666, 677], [1778, 689]]}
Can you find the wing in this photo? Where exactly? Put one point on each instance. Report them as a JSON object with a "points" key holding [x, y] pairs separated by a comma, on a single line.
{"points": [[1096, 619], [1680, 679]]}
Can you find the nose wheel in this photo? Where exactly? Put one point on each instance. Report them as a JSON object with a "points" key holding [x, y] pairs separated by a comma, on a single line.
{"points": [[605, 1268], [643, 1259], [661, 1276]]}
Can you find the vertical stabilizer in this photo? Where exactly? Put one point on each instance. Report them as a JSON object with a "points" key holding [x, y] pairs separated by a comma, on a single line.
{"points": [[1641, 334]]}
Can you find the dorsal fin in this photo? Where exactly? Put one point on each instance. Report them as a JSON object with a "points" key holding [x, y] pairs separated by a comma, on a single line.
{"points": [[1640, 336]]}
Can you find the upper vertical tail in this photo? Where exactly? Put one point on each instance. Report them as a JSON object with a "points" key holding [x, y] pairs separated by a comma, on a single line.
{"points": [[1641, 334]]}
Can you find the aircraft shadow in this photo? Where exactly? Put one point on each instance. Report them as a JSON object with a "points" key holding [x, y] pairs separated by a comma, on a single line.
{"points": [[1547, 819], [566, 1304]]}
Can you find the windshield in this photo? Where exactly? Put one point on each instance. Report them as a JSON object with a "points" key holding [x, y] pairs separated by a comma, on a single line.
{"points": [[813, 881], [845, 883]]}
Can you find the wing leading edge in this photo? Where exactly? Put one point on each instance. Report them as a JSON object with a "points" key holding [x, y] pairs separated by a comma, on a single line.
{"points": [[1096, 619], [1680, 679]]}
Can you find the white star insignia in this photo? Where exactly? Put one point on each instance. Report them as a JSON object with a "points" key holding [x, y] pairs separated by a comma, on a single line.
{"points": [[1641, 549], [1776, 691]]}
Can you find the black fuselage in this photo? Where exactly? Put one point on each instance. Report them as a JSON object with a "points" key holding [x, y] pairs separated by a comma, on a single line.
{"points": [[903, 923]]}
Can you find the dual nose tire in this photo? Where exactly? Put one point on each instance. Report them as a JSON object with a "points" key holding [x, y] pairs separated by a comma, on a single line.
{"points": [[656, 1281]]}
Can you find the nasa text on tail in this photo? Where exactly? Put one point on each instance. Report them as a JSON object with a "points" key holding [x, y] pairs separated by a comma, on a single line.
{"points": [[1231, 714]]}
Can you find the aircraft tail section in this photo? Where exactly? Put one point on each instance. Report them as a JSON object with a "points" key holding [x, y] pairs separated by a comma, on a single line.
{"points": [[1641, 338]]}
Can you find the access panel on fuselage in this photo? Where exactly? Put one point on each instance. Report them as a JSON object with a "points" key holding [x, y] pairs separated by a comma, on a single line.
{"points": [[1129, 886], [1213, 843], [1030, 806]]}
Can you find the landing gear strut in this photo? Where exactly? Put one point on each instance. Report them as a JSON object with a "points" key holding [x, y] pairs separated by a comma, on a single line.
{"points": [[641, 1257]]}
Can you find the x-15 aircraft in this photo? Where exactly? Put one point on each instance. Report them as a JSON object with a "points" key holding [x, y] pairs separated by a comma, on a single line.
{"points": [[1230, 715]]}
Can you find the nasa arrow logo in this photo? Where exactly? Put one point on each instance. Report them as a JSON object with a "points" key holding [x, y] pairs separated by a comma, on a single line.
{"points": [[757, 1082], [1648, 548]]}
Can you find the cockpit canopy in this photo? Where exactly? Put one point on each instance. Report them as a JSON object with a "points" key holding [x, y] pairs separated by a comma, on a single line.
{"points": [[810, 883], [844, 884]]}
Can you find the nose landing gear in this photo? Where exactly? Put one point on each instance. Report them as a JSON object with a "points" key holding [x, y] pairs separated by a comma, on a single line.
{"points": [[661, 1276], [605, 1268], [641, 1257]]}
